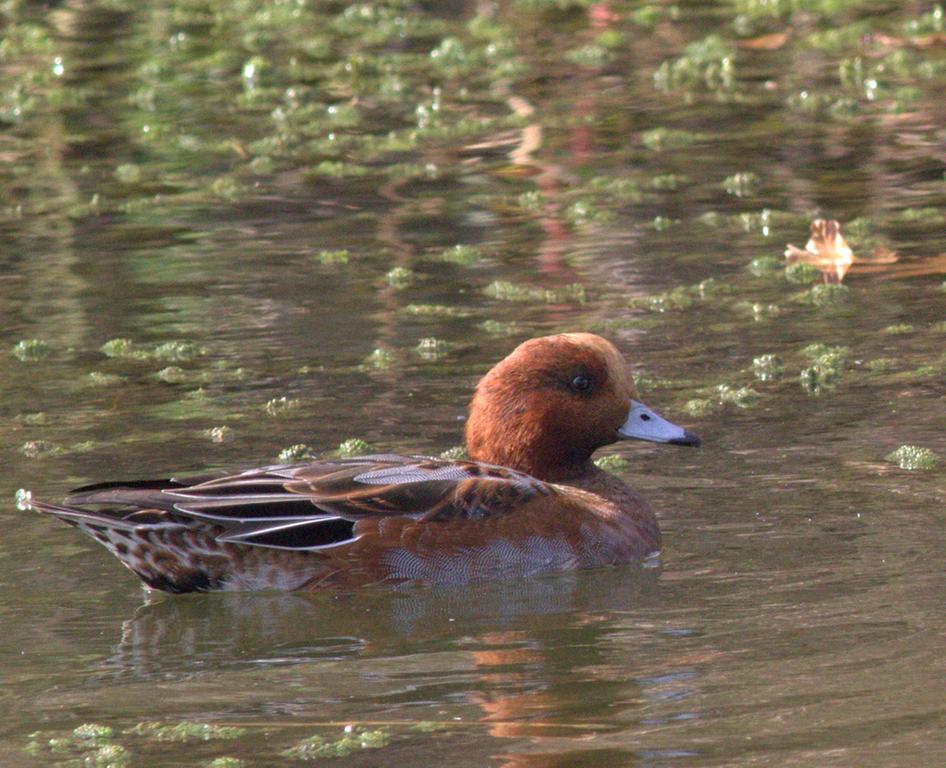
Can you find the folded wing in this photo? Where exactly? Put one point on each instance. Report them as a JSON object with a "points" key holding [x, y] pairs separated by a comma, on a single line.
{"points": [[308, 507]]}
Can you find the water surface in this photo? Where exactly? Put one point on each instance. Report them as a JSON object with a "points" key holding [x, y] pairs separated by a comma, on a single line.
{"points": [[314, 222]]}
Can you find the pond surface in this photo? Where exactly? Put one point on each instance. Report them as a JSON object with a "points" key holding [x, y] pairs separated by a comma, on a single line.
{"points": [[235, 229]]}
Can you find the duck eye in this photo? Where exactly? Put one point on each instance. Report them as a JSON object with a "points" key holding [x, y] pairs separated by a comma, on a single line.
{"points": [[581, 383]]}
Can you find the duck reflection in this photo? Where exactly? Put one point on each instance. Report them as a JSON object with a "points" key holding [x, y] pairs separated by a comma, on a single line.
{"points": [[540, 664]]}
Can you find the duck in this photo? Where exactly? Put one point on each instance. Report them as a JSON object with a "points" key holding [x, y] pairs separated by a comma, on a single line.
{"points": [[527, 501]]}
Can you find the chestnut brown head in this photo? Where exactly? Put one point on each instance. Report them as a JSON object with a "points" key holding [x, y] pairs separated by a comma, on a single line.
{"points": [[553, 401]]}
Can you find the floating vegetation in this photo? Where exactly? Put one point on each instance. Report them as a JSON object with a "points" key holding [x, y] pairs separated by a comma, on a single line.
{"points": [[881, 364], [499, 328], [353, 740], [668, 182], [669, 138], [742, 184], [99, 379], [187, 731], [128, 173], [826, 366], [707, 63], [400, 277], [801, 273], [699, 406], [621, 189], [339, 256], [680, 297], [177, 351], [464, 255], [379, 358], [899, 329], [40, 449], [294, 453], [587, 212], [913, 457], [457, 453], [758, 310], [742, 397], [767, 367], [506, 291], [226, 762], [826, 295], [352, 447], [763, 266], [170, 351], [93, 732], [281, 406], [612, 463], [591, 56], [30, 350], [219, 434], [435, 310], [432, 348]]}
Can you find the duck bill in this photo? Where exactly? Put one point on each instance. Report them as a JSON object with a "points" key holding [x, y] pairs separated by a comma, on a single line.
{"points": [[644, 424]]}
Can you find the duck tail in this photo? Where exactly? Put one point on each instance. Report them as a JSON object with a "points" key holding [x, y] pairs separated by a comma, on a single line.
{"points": [[165, 555]]}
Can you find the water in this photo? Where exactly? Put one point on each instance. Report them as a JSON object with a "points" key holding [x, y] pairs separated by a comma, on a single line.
{"points": [[173, 174]]}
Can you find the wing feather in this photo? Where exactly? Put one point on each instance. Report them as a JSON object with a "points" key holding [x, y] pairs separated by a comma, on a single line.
{"points": [[312, 506]]}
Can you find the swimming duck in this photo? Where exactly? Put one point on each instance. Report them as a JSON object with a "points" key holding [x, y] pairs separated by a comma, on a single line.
{"points": [[529, 500]]}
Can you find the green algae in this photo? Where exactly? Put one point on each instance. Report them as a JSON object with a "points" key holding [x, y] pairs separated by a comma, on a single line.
{"points": [[705, 64], [281, 406], [99, 379], [743, 184], [612, 463], [764, 266], [352, 447], [40, 449], [507, 291], [170, 351], [219, 434], [661, 139], [30, 350], [882, 364], [379, 359], [431, 348], [668, 182], [801, 273], [827, 294], [500, 328], [295, 453], [699, 406], [93, 732], [741, 397], [913, 458], [226, 762], [186, 731], [899, 329], [463, 255], [677, 298], [435, 310], [767, 367], [353, 740], [758, 310], [586, 211], [826, 366], [338, 256], [400, 277]]}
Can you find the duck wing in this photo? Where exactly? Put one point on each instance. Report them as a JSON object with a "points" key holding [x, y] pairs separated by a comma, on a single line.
{"points": [[309, 506]]}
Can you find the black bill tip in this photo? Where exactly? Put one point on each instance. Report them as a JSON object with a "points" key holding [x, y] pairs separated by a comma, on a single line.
{"points": [[689, 438]]}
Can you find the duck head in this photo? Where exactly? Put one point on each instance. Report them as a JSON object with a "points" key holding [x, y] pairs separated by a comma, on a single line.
{"points": [[553, 401]]}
